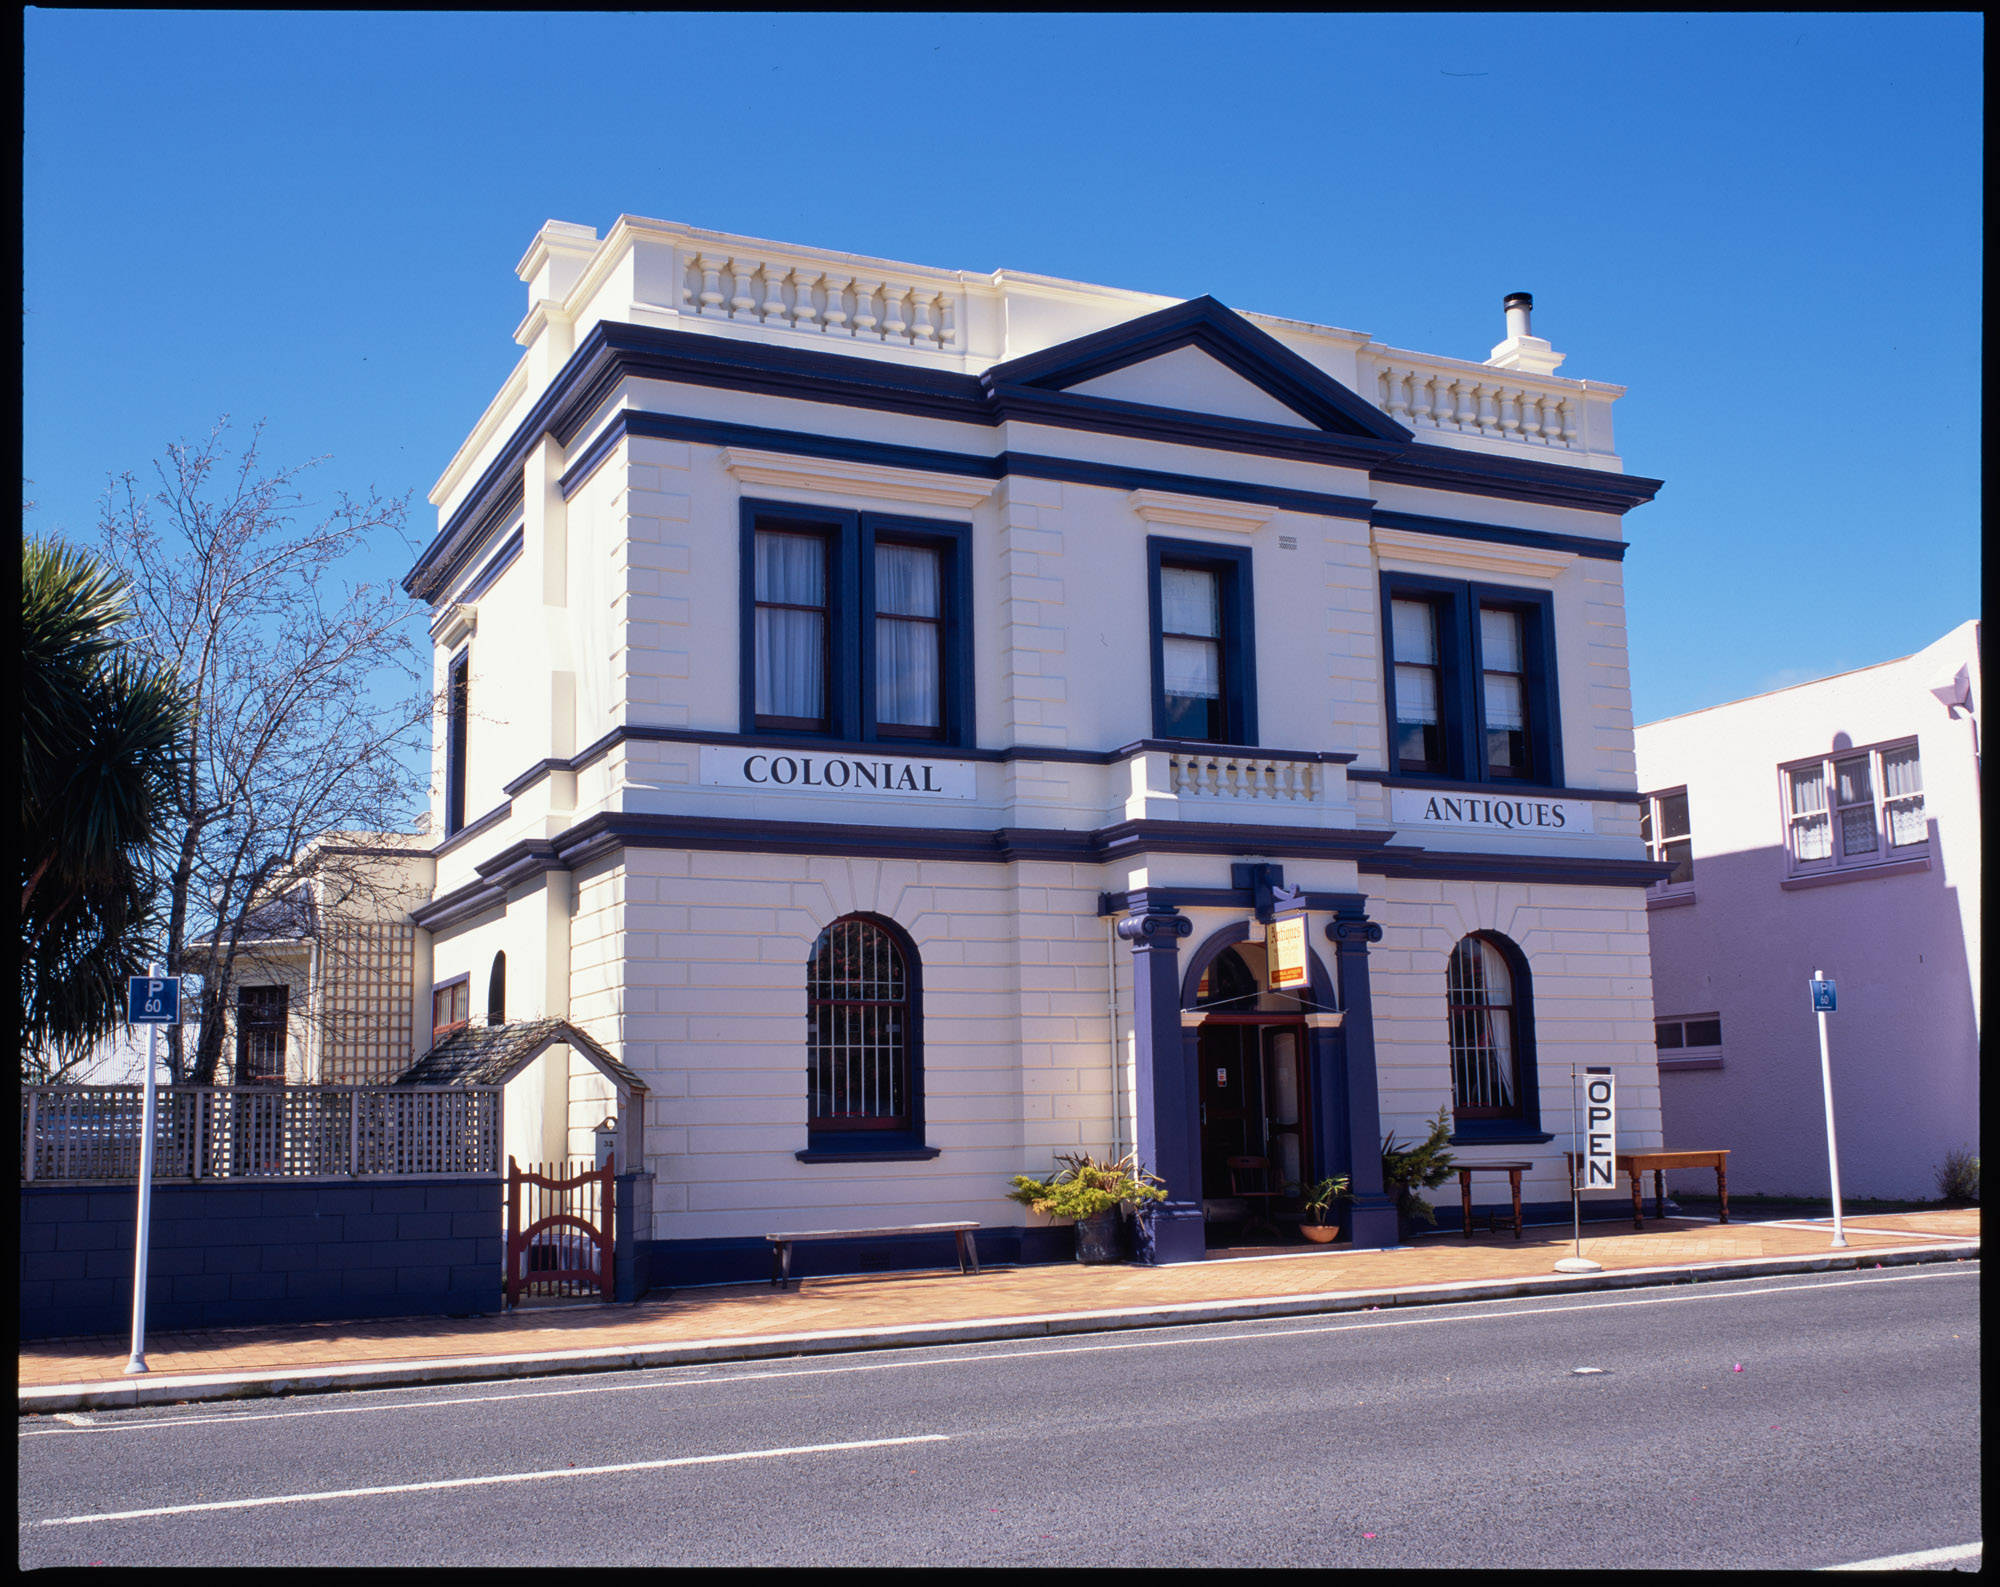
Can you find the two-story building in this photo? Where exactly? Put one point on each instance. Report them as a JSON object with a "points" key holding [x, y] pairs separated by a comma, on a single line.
{"points": [[886, 707], [1830, 826]]}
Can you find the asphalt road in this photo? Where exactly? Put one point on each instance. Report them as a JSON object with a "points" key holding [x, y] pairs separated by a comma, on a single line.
{"points": [[1441, 1436]]}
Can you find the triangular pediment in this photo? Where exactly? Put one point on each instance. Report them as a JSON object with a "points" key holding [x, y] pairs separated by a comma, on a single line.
{"points": [[1199, 357]]}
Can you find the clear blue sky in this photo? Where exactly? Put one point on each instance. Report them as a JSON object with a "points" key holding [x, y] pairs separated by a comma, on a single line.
{"points": [[1767, 227]]}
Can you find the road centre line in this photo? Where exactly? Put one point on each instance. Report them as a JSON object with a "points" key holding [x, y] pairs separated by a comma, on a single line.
{"points": [[957, 1359], [503, 1477], [1925, 1556]]}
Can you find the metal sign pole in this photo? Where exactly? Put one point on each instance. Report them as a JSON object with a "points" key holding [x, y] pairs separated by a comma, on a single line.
{"points": [[1826, 1089], [144, 1236], [1577, 1262]]}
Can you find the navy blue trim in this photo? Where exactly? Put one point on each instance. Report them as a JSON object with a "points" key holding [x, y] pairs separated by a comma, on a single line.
{"points": [[746, 1259], [837, 1145], [1505, 1135], [1464, 866], [850, 614], [1525, 790], [1525, 1125], [1225, 336], [1231, 565], [501, 561], [899, 1154], [612, 352], [457, 730], [1501, 534], [472, 829], [1461, 700]]}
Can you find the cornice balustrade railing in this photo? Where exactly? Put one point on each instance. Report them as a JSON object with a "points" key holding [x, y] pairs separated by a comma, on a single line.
{"points": [[802, 296], [77, 1133], [1468, 401], [1204, 776]]}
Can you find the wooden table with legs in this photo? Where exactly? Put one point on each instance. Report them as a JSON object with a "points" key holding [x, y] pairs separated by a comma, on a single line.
{"points": [[1513, 1171], [1636, 1164]]}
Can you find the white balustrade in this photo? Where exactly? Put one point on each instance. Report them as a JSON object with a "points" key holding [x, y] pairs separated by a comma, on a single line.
{"points": [[1490, 402], [1193, 774], [801, 297]]}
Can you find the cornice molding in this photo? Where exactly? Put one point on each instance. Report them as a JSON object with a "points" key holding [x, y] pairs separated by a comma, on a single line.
{"points": [[1403, 547], [1197, 512], [855, 480]]}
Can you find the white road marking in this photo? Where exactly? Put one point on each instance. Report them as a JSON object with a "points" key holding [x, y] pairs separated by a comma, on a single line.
{"points": [[74, 1420], [481, 1482], [1916, 1561], [956, 1359]]}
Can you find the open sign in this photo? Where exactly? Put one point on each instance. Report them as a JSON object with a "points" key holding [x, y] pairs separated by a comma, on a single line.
{"points": [[1600, 1133]]}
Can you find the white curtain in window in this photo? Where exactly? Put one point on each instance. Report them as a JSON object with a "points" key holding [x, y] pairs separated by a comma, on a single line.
{"points": [[791, 645], [1503, 702], [1903, 787], [908, 668], [1190, 602], [1480, 990], [1500, 640], [1416, 695], [1192, 668], [1414, 627], [1812, 834], [1856, 791]]}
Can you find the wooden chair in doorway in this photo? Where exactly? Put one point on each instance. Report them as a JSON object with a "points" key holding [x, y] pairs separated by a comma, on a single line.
{"points": [[1251, 1179]]}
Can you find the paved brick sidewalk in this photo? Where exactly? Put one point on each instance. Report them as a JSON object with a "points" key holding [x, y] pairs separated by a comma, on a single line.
{"points": [[750, 1312]]}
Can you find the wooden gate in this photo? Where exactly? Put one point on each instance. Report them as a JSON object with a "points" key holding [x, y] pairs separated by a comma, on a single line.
{"points": [[559, 1236]]}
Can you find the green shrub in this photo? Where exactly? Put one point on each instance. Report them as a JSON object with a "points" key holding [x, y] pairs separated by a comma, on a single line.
{"points": [[1958, 1175], [1082, 1187], [1320, 1199], [1425, 1166]]}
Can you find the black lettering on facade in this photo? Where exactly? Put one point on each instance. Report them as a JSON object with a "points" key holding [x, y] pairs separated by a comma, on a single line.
{"points": [[1561, 819], [929, 786], [806, 772], [1431, 810], [908, 780], [863, 772], [840, 766], [784, 770], [751, 776]]}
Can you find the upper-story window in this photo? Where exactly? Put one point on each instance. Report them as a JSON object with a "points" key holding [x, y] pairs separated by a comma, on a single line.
{"points": [[458, 704], [451, 1006], [857, 626], [261, 1018], [1204, 675], [1663, 824], [1471, 681], [1856, 808]]}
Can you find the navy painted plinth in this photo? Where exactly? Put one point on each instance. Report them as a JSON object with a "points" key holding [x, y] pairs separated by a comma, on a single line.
{"points": [[1372, 1212], [1167, 1131]]}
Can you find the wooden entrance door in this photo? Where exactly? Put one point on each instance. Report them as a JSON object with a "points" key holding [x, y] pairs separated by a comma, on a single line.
{"points": [[1254, 1099]]}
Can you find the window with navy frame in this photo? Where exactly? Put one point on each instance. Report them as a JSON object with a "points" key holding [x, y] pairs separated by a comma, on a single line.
{"points": [[1204, 641], [1470, 681], [1490, 1017], [458, 706], [864, 1042], [855, 626]]}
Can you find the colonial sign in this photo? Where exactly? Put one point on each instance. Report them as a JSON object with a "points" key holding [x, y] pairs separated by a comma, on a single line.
{"points": [[1488, 812], [868, 775], [1288, 952], [1600, 1132]]}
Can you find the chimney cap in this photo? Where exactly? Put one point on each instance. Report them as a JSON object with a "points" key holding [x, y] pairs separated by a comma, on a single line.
{"points": [[1524, 300]]}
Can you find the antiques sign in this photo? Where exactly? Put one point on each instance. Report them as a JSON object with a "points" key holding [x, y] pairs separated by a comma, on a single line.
{"points": [[1479, 812], [1288, 951], [870, 776]]}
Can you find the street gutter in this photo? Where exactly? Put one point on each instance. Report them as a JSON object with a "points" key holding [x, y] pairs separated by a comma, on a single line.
{"points": [[164, 1389]]}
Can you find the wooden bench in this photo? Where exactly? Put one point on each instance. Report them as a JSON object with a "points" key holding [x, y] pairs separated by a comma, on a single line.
{"points": [[1637, 1163], [781, 1244]]}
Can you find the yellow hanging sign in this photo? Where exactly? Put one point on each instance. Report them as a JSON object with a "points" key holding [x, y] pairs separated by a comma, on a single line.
{"points": [[1288, 952]]}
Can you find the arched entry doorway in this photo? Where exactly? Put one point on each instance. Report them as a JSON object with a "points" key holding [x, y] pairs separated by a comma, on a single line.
{"points": [[1270, 1082]]}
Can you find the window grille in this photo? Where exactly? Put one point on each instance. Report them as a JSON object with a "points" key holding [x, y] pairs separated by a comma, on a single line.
{"points": [[1479, 999], [858, 997]]}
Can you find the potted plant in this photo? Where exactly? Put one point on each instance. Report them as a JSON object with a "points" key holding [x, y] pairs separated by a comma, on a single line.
{"points": [[1423, 1166], [1318, 1201], [1091, 1193]]}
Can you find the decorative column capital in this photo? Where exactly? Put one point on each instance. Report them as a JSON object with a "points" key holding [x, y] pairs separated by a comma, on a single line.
{"points": [[1352, 933], [1159, 930]]}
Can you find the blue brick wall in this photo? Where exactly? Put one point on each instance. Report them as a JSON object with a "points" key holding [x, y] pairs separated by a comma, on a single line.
{"points": [[233, 1255]]}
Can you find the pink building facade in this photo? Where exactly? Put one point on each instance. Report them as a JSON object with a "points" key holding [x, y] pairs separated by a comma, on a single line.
{"points": [[1834, 826]]}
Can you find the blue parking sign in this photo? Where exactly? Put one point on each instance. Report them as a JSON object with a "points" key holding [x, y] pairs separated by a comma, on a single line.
{"points": [[1822, 997], [153, 1000]]}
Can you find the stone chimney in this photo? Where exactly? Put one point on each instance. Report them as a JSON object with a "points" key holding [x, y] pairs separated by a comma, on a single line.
{"points": [[1523, 351]]}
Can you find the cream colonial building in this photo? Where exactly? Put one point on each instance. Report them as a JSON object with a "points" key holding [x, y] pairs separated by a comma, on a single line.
{"points": [[888, 704]]}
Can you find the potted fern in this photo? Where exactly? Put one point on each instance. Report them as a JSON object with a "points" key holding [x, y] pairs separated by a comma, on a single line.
{"points": [[1318, 1201], [1422, 1166], [1091, 1193]]}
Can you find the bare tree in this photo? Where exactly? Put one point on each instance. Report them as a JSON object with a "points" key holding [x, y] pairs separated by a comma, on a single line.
{"points": [[308, 690]]}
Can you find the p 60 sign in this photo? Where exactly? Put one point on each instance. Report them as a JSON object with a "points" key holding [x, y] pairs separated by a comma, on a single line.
{"points": [[153, 1000]]}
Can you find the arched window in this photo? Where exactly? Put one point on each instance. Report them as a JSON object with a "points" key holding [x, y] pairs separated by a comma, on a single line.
{"points": [[861, 993], [1492, 1059], [496, 991]]}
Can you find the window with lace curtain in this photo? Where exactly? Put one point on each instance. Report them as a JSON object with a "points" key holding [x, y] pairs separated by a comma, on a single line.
{"points": [[856, 626], [1204, 684], [1854, 808]]}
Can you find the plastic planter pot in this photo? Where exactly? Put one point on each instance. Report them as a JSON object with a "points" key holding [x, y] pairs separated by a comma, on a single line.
{"points": [[1097, 1237], [1320, 1233]]}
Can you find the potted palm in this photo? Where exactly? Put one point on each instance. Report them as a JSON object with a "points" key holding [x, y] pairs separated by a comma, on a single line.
{"points": [[1422, 1166], [1317, 1201], [1093, 1194]]}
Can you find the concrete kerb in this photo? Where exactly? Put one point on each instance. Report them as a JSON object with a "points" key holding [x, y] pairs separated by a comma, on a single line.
{"points": [[188, 1387]]}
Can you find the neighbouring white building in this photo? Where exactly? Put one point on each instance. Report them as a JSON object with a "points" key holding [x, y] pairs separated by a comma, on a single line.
{"points": [[1831, 826], [887, 706]]}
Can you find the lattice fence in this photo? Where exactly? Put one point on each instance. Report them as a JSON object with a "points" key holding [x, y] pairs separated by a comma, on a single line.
{"points": [[368, 977], [261, 1132]]}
